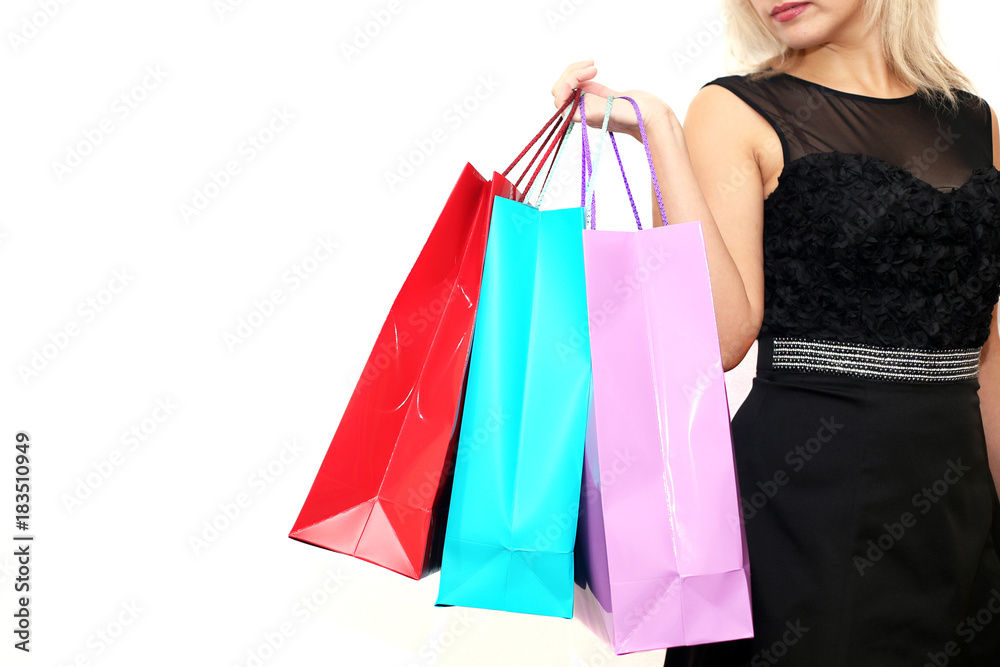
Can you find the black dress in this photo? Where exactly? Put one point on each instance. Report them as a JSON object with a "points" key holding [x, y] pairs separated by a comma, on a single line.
{"points": [[872, 520]]}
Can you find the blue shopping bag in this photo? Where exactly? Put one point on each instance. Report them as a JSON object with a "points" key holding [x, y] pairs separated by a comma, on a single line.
{"points": [[512, 520], [513, 515]]}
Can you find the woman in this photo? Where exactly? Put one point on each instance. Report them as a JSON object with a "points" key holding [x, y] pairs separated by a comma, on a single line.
{"points": [[850, 201]]}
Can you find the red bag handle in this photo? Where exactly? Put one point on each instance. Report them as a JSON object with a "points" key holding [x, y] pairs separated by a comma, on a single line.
{"points": [[563, 128]]}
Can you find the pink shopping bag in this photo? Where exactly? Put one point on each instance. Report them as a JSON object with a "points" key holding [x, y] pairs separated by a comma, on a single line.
{"points": [[661, 554]]}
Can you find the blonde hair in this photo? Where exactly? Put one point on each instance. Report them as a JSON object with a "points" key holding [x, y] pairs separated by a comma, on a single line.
{"points": [[911, 44]]}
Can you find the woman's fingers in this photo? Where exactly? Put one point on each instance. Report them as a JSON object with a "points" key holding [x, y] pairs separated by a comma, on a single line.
{"points": [[572, 78], [564, 87], [580, 64], [595, 106], [572, 68], [580, 75], [595, 88]]}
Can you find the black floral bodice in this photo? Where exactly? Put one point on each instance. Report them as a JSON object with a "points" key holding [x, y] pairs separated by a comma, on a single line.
{"points": [[884, 228]]}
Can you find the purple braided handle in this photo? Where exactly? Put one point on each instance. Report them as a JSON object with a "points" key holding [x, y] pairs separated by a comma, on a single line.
{"points": [[587, 171], [587, 166], [635, 211], [649, 158]]}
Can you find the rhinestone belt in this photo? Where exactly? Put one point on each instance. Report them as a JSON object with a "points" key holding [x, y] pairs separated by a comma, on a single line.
{"points": [[870, 361]]}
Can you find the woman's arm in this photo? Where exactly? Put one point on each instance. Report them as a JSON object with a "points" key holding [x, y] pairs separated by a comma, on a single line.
{"points": [[719, 175], [709, 171], [989, 365]]}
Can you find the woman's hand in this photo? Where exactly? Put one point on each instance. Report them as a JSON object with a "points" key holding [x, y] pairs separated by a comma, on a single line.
{"points": [[623, 121]]}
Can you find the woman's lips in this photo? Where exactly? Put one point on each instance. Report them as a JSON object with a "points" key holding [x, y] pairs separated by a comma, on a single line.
{"points": [[788, 11]]}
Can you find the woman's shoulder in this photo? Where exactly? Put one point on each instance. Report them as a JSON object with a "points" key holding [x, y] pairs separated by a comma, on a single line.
{"points": [[766, 92], [732, 82], [972, 102], [976, 113], [754, 81], [968, 97], [738, 110], [727, 79], [744, 92]]}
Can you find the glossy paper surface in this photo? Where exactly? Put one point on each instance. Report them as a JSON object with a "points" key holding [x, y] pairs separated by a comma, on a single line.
{"points": [[514, 507], [379, 490], [661, 544]]}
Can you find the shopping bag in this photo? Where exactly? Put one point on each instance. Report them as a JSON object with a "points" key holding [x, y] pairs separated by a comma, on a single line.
{"points": [[512, 521], [661, 551], [381, 492]]}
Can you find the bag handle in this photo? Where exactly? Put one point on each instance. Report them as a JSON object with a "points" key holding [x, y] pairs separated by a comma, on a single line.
{"points": [[557, 146], [548, 141], [649, 159], [552, 168], [587, 196], [631, 200]]}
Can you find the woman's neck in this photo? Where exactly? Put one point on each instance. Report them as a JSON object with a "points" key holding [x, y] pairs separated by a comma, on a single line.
{"points": [[857, 67]]}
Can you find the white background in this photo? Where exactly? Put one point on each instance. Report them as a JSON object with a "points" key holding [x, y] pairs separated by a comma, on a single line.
{"points": [[115, 547]]}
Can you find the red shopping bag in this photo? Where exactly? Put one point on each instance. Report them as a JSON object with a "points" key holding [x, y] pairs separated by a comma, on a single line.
{"points": [[381, 493]]}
